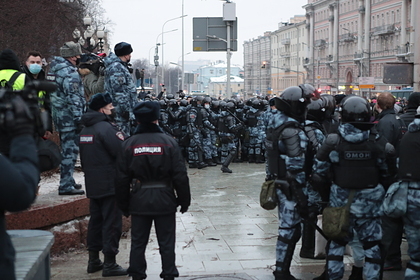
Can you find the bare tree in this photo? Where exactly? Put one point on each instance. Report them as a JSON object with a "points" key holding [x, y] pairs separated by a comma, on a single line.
{"points": [[43, 25]]}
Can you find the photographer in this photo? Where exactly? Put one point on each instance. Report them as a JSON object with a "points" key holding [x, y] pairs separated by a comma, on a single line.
{"points": [[19, 174], [91, 68]]}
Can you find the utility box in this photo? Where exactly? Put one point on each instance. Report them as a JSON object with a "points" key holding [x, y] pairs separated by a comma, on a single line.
{"points": [[229, 11]]}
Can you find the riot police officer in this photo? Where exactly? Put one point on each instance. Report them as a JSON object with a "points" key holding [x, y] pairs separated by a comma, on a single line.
{"points": [[286, 145], [359, 160]]}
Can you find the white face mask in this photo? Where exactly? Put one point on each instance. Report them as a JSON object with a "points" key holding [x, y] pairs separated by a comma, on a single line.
{"points": [[207, 106]]}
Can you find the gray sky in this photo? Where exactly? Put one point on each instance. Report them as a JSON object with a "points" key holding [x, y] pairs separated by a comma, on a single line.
{"points": [[140, 22]]}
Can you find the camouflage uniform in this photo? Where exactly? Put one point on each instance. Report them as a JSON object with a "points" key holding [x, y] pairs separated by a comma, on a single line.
{"points": [[120, 85], [364, 211], [289, 218], [208, 129], [68, 105], [195, 149]]}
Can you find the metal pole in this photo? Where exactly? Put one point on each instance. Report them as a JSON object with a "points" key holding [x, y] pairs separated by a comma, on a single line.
{"points": [[228, 91], [182, 63], [416, 49]]}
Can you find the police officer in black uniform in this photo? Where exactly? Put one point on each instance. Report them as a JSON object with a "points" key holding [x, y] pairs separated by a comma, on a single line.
{"points": [[153, 161], [100, 141]]}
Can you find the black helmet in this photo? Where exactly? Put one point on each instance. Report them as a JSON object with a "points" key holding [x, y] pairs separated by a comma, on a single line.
{"points": [[355, 110], [170, 96], [199, 99], [256, 103], [206, 100], [172, 102], [316, 110], [230, 106], [162, 104], [183, 103], [329, 102], [293, 102]]}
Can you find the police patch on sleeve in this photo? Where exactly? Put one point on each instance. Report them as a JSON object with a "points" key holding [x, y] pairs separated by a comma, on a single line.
{"points": [[120, 135]]}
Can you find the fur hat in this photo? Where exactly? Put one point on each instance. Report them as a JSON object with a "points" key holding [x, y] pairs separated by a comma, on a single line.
{"points": [[122, 49], [70, 49], [99, 100], [147, 111], [9, 60]]}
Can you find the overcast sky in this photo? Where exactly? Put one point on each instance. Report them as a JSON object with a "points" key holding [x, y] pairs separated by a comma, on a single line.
{"points": [[140, 22]]}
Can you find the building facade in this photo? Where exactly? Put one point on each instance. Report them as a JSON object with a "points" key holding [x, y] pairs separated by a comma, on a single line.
{"points": [[217, 87], [351, 40], [256, 53], [217, 69]]}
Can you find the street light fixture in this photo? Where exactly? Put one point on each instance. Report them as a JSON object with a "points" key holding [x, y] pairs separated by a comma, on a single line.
{"points": [[163, 27]]}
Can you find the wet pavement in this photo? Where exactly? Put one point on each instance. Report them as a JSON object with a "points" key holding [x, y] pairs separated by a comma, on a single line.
{"points": [[224, 235]]}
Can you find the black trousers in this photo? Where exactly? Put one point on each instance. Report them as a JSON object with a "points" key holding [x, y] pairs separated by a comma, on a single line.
{"points": [[392, 232], [140, 232], [105, 225]]}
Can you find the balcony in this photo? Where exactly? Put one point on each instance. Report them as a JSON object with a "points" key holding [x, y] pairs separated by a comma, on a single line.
{"points": [[330, 57], [384, 30], [285, 54], [347, 37], [320, 43], [285, 41]]}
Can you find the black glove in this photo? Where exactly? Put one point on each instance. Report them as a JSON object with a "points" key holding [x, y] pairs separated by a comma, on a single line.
{"points": [[184, 209], [126, 214], [125, 115], [79, 127], [19, 120]]}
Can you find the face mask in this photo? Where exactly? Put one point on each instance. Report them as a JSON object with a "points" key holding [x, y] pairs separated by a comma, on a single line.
{"points": [[35, 68], [77, 61], [113, 114], [207, 106]]}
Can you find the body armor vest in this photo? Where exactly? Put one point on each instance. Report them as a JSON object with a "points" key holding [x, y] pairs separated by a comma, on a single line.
{"points": [[252, 118], [222, 124], [357, 167]]}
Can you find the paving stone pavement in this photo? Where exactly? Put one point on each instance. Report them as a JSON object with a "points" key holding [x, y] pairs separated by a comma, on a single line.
{"points": [[224, 235]]}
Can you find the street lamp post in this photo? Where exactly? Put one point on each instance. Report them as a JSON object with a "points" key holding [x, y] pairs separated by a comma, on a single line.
{"points": [[87, 36], [163, 62], [157, 58]]}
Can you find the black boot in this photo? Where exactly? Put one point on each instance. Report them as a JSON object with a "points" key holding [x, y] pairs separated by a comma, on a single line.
{"points": [[217, 160], [259, 159], [308, 241], [225, 164], [210, 162], [94, 263], [201, 163], [356, 273], [282, 271], [111, 268], [251, 158]]}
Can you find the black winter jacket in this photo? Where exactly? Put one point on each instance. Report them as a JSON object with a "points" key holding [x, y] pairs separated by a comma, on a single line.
{"points": [[151, 156], [408, 116], [100, 141], [389, 126]]}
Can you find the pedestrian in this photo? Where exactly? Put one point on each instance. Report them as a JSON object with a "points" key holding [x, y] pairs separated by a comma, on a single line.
{"points": [[411, 110], [287, 165], [19, 177], [100, 142], [408, 173], [142, 78], [390, 126], [358, 159], [68, 105], [120, 85], [153, 160]]}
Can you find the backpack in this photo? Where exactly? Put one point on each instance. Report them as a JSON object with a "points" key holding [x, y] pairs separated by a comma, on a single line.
{"points": [[8, 84]]}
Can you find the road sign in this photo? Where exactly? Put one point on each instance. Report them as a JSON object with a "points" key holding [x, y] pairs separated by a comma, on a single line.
{"points": [[210, 34]]}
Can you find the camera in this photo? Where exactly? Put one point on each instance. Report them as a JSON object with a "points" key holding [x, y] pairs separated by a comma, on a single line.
{"points": [[30, 95]]}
